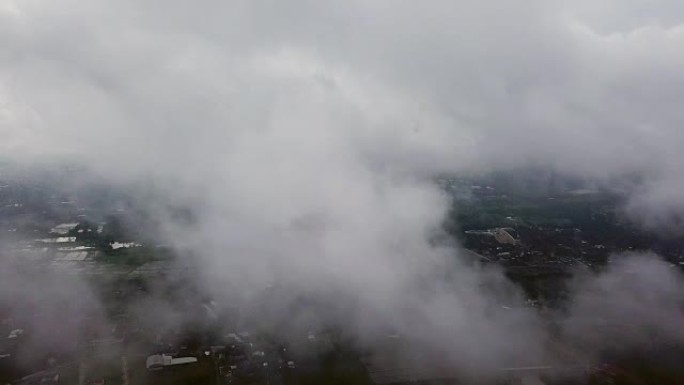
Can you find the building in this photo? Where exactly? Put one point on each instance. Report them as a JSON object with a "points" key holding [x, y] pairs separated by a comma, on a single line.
{"points": [[504, 237], [64, 228], [161, 361]]}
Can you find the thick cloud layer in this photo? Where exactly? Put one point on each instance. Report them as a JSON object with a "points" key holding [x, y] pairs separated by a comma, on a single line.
{"points": [[304, 134], [435, 86]]}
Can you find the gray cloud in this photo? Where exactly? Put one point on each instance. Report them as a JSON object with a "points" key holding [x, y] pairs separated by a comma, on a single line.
{"points": [[304, 135], [635, 303]]}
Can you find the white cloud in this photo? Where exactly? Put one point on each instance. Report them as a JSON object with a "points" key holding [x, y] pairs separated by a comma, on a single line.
{"points": [[304, 133]]}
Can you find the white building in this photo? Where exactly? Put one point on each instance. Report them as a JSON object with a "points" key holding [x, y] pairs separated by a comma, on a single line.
{"points": [[504, 237], [64, 228]]}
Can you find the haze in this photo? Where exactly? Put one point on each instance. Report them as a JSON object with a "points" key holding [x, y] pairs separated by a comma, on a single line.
{"points": [[306, 137]]}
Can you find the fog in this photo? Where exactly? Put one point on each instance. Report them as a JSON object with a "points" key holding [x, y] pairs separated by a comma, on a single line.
{"points": [[305, 137], [641, 295]]}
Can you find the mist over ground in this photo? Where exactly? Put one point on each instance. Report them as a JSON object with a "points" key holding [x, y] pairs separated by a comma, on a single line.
{"points": [[305, 138]]}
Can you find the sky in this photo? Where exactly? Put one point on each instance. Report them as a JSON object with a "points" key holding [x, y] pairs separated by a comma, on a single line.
{"points": [[305, 135]]}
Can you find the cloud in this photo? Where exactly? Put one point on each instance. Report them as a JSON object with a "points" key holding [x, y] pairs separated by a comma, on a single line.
{"points": [[52, 309], [635, 303], [433, 86], [305, 136]]}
